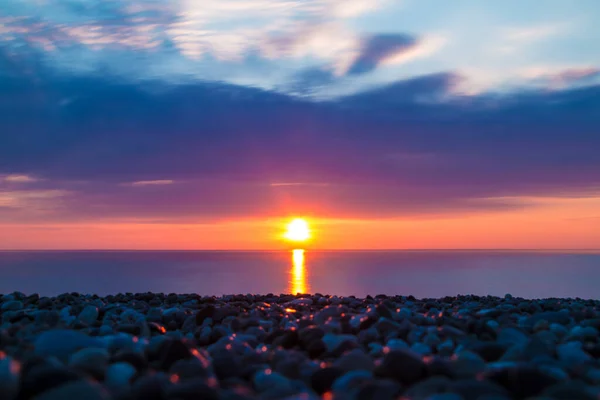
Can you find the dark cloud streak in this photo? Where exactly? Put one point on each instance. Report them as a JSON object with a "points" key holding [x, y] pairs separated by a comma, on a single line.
{"points": [[379, 47]]}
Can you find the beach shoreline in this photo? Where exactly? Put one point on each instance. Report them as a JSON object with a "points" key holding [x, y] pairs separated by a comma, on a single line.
{"points": [[186, 346]]}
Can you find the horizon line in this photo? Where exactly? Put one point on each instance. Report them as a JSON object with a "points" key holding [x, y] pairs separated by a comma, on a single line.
{"points": [[309, 249]]}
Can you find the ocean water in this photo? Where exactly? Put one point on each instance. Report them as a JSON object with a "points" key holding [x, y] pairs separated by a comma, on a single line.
{"points": [[529, 274]]}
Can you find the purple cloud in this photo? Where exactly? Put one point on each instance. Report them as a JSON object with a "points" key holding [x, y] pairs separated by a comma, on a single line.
{"points": [[402, 149]]}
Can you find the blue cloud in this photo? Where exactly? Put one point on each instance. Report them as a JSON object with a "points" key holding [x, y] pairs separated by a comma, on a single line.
{"points": [[379, 47]]}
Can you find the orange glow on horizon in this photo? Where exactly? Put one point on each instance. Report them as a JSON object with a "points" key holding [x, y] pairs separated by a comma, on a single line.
{"points": [[542, 223]]}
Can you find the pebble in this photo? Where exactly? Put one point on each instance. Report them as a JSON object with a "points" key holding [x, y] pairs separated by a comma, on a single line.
{"points": [[150, 346], [402, 365], [13, 305], [397, 344], [428, 388], [269, 380], [523, 381], [583, 333], [445, 396], [88, 315], [559, 330], [192, 390], [334, 342], [9, 378], [90, 360], [354, 360], [61, 343], [572, 354], [380, 390], [76, 390], [350, 383], [466, 364], [119, 375], [511, 336]]}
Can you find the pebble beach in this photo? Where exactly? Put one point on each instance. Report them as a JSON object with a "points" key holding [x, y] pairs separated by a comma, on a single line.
{"points": [[154, 346]]}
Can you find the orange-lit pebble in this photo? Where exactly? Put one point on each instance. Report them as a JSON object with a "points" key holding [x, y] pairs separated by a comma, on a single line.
{"points": [[15, 367], [212, 382]]}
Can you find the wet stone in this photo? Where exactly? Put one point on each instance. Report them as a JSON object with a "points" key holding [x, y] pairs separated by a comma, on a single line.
{"points": [[404, 366]]}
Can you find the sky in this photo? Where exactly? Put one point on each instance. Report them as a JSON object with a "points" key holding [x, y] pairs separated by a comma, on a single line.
{"points": [[183, 124]]}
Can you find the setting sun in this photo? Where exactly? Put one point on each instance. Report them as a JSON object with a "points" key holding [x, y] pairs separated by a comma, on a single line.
{"points": [[297, 230]]}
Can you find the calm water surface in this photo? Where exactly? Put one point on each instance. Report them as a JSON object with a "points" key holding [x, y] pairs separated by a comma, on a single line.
{"points": [[420, 273]]}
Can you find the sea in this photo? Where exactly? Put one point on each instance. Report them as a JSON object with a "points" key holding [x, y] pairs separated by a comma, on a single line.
{"points": [[423, 274]]}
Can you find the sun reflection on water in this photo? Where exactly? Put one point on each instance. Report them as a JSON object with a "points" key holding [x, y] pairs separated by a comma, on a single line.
{"points": [[298, 282]]}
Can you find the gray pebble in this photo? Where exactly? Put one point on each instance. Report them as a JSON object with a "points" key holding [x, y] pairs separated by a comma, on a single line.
{"points": [[88, 315]]}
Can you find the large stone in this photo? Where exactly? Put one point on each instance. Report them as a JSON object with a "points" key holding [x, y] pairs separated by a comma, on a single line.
{"points": [[91, 360], [41, 376], [76, 390], [61, 343], [466, 364], [523, 381], [355, 360], [572, 354], [402, 365], [9, 378]]}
